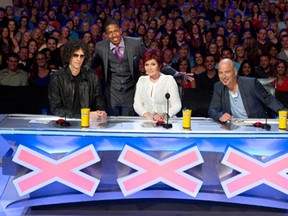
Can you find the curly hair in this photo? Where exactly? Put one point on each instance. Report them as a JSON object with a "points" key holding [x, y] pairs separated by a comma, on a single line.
{"points": [[71, 47]]}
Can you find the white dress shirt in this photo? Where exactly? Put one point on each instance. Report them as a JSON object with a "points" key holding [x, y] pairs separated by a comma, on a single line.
{"points": [[150, 97]]}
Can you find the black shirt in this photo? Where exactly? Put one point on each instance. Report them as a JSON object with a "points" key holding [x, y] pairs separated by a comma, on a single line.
{"points": [[76, 102]]}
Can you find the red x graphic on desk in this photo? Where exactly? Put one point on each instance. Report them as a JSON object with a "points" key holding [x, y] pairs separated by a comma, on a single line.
{"points": [[254, 172], [169, 171], [47, 170]]}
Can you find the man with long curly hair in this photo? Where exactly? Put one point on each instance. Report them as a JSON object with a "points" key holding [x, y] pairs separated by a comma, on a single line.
{"points": [[75, 86]]}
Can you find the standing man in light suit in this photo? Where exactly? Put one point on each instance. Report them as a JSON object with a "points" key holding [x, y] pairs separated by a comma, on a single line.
{"points": [[119, 57]]}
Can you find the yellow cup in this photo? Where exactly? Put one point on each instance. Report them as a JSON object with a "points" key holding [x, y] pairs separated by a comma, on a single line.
{"points": [[186, 123], [282, 115], [85, 116]]}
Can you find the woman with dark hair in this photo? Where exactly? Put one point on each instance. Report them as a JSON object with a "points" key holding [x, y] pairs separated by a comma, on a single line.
{"points": [[34, 11], [247, 69], [40, 72], [165, 42], [256, 15], [198, 67], [100, 22], [7, 43], [213, 49], [196, 40], [23, 25], [117, 16], [32, 48], [149, 36], [247, 26], [183, 65], [13, 29], [132, 29], [252, 50], [150, 101], [281, 75], [141, 31], [273, 52], [221, 42]]}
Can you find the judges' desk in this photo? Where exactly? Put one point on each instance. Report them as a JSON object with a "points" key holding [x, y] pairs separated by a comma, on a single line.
{"points": [[128, 158]]}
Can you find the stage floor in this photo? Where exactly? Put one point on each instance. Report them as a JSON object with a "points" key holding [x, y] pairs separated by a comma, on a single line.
{"points": [[151, 208]]}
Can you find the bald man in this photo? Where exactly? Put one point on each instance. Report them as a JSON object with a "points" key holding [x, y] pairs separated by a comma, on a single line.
{"points": [[239, 97]]}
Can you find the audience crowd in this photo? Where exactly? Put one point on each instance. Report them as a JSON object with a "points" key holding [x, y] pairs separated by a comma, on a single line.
{"points": [[193, 35]]}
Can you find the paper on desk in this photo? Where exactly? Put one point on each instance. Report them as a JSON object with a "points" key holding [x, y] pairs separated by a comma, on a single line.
{"points": [[38, 121]]}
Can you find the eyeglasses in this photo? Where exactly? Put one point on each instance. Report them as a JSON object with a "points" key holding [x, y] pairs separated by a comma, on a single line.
{"points": [[75, 55]]}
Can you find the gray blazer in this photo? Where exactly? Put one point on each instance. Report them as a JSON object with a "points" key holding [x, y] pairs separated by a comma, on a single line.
{"points": [[134, 48], [282, 55], [254, 97]]}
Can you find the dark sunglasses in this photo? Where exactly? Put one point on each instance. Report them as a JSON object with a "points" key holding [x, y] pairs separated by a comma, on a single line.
{"points": [[77, 56]]}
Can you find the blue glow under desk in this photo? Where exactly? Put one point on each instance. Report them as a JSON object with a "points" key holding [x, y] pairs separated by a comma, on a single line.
{"points": [[235, 163]]}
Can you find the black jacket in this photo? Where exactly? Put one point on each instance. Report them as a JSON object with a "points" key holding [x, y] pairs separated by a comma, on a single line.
{"points": [[61, 92]]}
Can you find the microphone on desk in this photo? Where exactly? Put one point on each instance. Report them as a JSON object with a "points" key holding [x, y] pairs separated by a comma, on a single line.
{"points": [[63, 122], [266, 126], [167, 125]]}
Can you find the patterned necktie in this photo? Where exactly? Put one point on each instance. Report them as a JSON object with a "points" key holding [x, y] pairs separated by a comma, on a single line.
{"points": [[118, 53]]}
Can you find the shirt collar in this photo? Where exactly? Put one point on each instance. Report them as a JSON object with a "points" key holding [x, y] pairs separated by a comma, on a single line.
{"points": [[121, 44]]}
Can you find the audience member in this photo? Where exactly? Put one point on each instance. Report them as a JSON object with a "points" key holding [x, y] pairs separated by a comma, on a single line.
{"points": [[198, 67], [7, 43], [262, 42], [207, 79], [273, 55], [32, 48], [40, 71], [3, 59], [12, 75], [264, 70], [247, 69], [281, 75], [240, 54], [227, 52], [183, 65], [24, 62], [166, 43], [284, 52], [55, 61], [200, 24]]}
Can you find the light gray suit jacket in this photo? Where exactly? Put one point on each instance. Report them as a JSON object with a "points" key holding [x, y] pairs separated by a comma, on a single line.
{"points": [[282, 55]]}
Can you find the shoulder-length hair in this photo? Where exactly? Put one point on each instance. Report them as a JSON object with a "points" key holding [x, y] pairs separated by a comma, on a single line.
{"points": [[156, 54], [71, 47]]}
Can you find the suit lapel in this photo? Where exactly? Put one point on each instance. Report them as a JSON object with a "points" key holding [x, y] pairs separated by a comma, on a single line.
{"points": [[129, 50], [241, 87], [227, 99], [105, 59]]}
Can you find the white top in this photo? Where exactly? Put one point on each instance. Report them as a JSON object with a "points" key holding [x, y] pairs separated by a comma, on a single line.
{"points": [[150, 97]]}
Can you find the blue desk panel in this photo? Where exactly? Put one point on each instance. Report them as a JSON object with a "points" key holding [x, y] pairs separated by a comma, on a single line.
{"points": [[40, 136]]}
